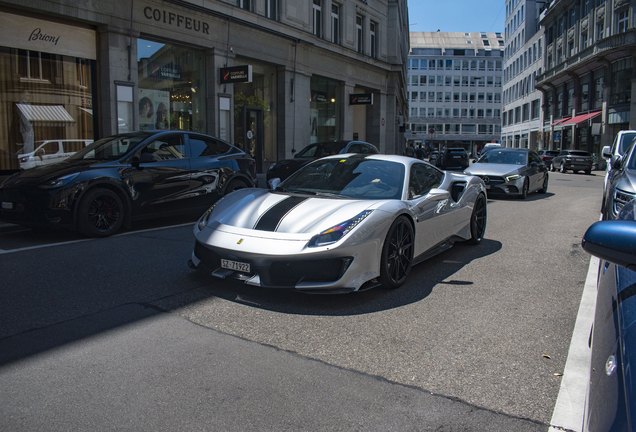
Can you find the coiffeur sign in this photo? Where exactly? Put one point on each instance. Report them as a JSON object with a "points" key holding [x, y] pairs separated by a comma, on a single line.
{"points": [[236, 74]]}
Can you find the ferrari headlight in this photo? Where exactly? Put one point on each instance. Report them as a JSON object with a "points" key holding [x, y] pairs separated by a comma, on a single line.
{"points": [[203, 221], [513, 177], [337, 232], [60, 181]]}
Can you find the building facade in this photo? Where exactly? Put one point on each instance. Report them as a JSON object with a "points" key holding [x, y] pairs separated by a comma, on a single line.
{"points": [[589, 70], [455, 89], [270, 76], [522, 116]]}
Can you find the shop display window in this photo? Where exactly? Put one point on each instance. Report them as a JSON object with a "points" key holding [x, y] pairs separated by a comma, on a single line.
{"points": [[43, 97], [171, 87], [325, 109]]}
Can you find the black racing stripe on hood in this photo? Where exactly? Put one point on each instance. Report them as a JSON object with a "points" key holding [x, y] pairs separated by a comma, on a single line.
{"points": [[271, 218]]}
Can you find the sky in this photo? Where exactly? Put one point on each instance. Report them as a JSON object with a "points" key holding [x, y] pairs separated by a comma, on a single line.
{"points": [[457, 15]]}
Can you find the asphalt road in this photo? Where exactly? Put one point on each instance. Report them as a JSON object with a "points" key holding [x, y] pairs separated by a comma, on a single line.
{"points": [[120, 334]]}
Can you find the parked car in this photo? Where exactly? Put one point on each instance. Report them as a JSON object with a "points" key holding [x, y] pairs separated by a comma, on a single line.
{"points": [[611, 401], [515, 172], [489, 147], [50, 151], [453, 158], [127, 177], [547, 156], [340, 224], [621, 184], [284, 168], [574, 160], [622, 141]]}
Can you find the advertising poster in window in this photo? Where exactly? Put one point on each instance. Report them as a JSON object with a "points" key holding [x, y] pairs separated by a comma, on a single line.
{"points": [[154, 108]]}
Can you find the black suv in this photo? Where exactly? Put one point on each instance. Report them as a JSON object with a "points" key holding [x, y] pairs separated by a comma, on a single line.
{"points": [[574, 160], [453, 158]]}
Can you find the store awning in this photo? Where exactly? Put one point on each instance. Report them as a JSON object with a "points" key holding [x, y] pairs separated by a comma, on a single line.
{"points": [[45, 113], [560, 122], [581, 118]]}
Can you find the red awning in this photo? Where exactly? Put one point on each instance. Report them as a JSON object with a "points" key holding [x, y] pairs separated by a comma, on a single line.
{"points": [[581, 118], [558, 122]]}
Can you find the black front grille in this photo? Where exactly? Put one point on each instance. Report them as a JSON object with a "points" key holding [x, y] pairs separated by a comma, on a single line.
{"points": [[290, 273], [282, 273], [492, 180]]}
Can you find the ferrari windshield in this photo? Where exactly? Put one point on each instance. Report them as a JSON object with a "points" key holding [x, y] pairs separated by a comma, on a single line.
{"points": [[353, 177], [111, 148], [508, 157]]}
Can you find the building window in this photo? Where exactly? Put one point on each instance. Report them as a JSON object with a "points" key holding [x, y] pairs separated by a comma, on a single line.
{"points": [[358, 33], [621, 85], [623, 21], [318, 18], [325, 108], [244, 4], [335, 24], [372, 29], [272, 9]]}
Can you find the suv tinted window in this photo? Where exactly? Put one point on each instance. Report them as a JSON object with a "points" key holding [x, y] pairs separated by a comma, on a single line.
{"points": [[166, 148], [208, 147]]}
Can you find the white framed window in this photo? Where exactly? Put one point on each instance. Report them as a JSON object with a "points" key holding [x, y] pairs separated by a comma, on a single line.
{"points": [[335, 23], [359, 34], [318, 18]]}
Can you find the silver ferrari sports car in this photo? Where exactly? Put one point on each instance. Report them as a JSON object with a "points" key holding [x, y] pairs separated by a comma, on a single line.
{"points": [[342, 223]]}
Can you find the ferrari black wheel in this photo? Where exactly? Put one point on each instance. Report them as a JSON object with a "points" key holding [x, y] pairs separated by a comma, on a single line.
{"points": [[478, 220], [397, 254], [100, 213]]}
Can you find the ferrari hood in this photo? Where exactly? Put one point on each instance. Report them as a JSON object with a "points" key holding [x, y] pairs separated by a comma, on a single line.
{"points": [[492, 169], [267, 211]]}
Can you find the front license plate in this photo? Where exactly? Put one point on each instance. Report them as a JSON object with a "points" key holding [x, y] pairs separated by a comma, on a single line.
{"points": [[7, 205], [235, 265]]}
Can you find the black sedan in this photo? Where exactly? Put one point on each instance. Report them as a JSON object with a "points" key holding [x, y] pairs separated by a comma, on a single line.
{"points": [[284, 168], [573, 160], [127, 177], [611, 403]]}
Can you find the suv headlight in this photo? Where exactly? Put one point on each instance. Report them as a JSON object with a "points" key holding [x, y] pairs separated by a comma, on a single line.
{"points": [[60, 181], [337, 232]]}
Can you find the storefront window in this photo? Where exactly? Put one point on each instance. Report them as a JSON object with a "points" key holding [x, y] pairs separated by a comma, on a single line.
{"points": [[254, 113], [171, 87], [325, 109], [45, 99]]}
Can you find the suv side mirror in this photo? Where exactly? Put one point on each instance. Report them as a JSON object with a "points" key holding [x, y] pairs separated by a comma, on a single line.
{"points": [[607, 152], [616, 162]]}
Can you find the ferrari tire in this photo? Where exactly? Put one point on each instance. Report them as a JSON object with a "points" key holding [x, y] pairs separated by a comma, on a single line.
{"points": [[562, 169], [397, 253], [100, 213], [478, 220], [552, 168]]}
